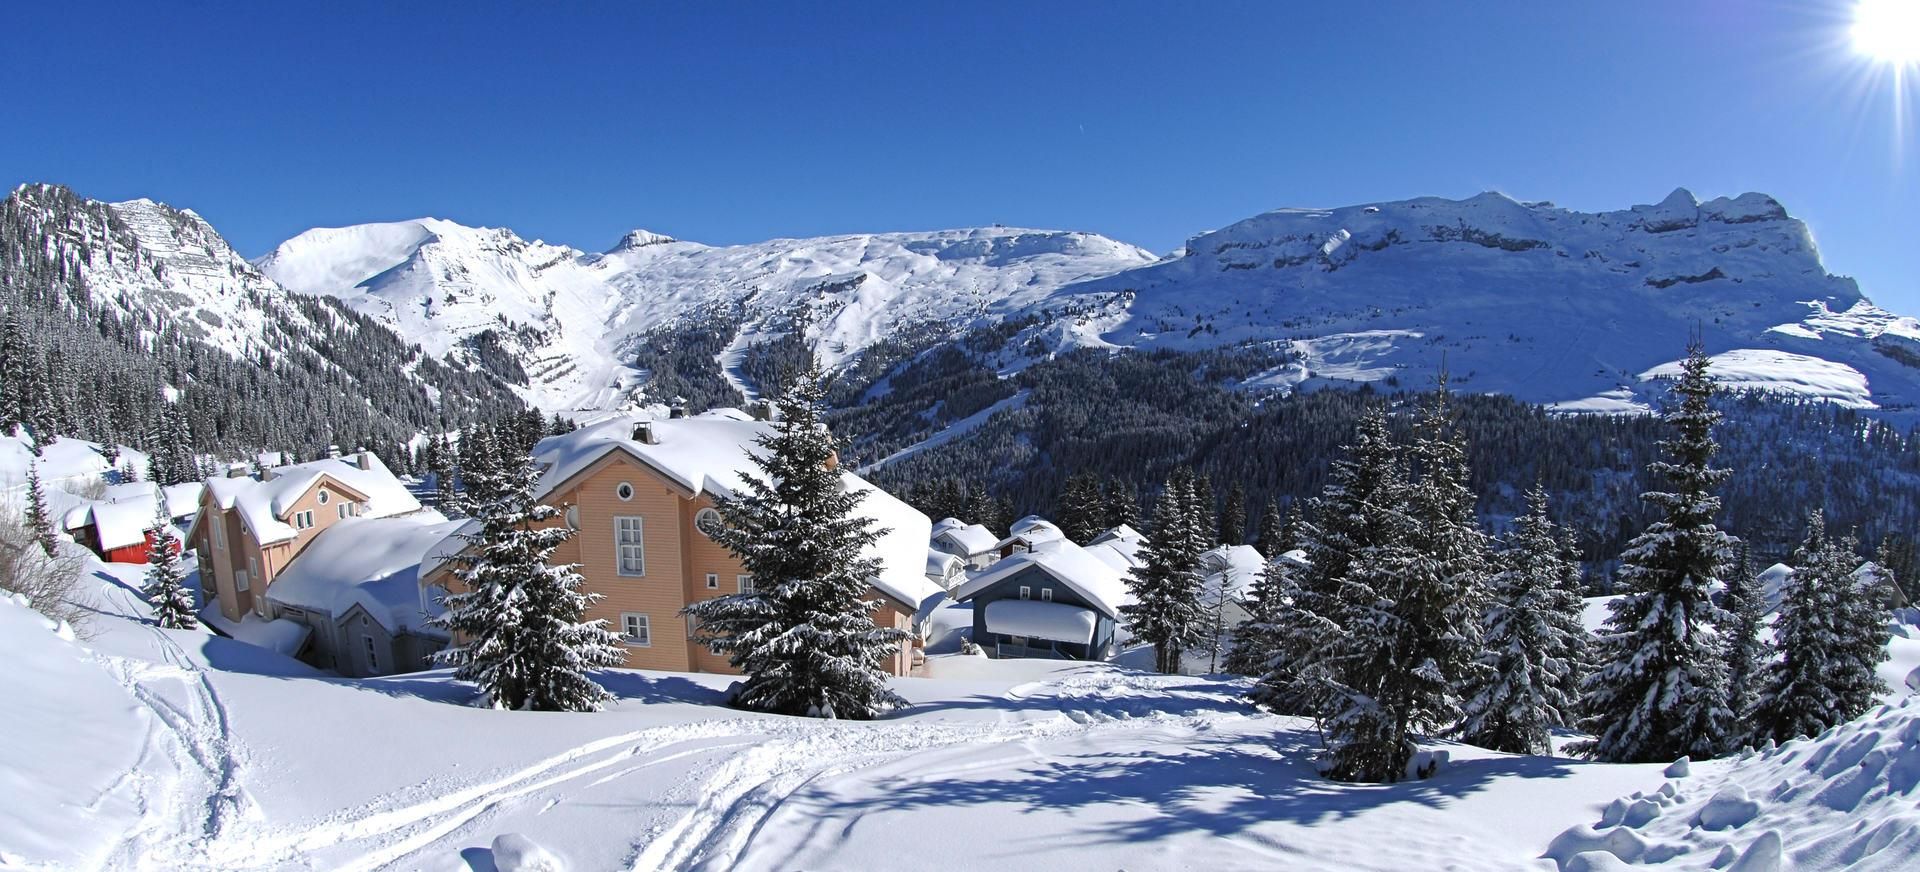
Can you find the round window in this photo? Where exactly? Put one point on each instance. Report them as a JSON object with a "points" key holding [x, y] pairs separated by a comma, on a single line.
{"points": [[323, 496], [624, 491], [573, 517], [707, 521]]}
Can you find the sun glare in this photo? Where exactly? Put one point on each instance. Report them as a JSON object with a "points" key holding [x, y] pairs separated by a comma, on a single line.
{"points": [[1888, 30]]}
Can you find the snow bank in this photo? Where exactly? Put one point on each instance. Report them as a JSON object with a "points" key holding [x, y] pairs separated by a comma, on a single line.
{"points": [[1845, 799]]}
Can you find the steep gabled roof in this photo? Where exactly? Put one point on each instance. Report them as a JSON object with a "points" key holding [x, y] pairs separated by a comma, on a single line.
{"points": [[1092, 578], [264, 504]]}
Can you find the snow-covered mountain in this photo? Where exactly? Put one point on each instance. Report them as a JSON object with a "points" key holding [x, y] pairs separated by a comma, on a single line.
{"points": [[1543, 303], [1583, 310], [572, 318]]}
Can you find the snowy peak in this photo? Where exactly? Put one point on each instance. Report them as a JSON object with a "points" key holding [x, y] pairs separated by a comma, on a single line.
{"points": [[638, 238]]}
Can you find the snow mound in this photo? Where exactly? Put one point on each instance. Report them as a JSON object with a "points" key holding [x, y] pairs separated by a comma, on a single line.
{"points": [[1844, 799], [513, 852]]}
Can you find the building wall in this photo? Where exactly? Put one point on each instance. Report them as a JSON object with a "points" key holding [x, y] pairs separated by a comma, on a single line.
{"points": [[1038, 579]]}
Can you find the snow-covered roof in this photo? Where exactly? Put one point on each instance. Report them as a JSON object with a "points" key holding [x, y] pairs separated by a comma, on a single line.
{"points": [[263, 504], [1032, 530], [902, 549], [706, 452], [940, 563], [279, 634], [1041, 620], [370, 562], [124, 512], [1123, 533], [1088, 575], [971, 539], [1235, 566]]}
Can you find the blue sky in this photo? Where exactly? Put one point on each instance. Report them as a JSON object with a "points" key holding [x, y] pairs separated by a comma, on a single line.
{"points": [[1144, 121]]}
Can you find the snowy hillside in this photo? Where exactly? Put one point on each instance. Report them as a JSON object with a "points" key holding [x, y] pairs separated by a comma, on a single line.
{"points": [[1546, 304], [572, 319]]}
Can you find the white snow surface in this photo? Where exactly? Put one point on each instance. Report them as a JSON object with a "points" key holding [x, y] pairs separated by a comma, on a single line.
{"points": [[140, 748], [1042, 620]]}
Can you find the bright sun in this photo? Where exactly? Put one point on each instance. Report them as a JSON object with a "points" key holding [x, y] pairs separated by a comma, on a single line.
{"points": [[1888, 30]]}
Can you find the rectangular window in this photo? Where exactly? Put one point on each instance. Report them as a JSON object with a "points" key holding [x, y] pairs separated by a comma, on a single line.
{"points": [[342, 509], [1046, 594], [745, 582], [1026, 592], [713, 581], [240, 580], [219, 533], [373, 659], [635, 629], [630, 550]]}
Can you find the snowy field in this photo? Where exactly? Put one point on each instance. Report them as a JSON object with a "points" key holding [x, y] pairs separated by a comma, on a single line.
{"points": [[135, 747]]}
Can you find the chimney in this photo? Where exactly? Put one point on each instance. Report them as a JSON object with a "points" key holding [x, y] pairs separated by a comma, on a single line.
{"points": [[236, 470], [643, 433], [364, 459], [333, 452], [677, 407]]}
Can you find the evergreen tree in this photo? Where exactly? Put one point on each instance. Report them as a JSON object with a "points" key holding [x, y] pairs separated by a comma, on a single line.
{"points": [[1534, 643], [481, 461], [1166, 584], [1746, 605], [1660, 691], [1233, 518], [1411, 614], [1271, 538], [1256, 640], [1356, 535], [520, 620], [805, 635], [1898, 556], [1204, 511], [1123, 505], [39, 520], [166, 581], [1082, 509], [1831, 635]]}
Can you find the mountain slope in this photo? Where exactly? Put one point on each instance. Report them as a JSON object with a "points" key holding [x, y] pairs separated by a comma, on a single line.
{"points": [[1546, 304], [121, 300], [573, 321]]}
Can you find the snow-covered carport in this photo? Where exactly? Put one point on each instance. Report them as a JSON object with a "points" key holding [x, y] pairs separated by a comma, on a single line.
{"points": [[1040, 624]]}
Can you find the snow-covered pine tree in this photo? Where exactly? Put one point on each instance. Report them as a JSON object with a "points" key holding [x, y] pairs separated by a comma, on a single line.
{"points": [[1122, 506], [166, 581], [1204, 511], [1533, 643], [1660, 689], [1165, 585], [1747, 657], [519, 622], [1412, 616], [805, 635], [1233, 517], [1271, 538], [1254, 641], [1826, 671], [1082, 508], [1357, 531], [481, 463], [39, 519]]}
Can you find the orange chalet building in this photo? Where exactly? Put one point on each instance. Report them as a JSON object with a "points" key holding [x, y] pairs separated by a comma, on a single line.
{"points": [[640, 492]]}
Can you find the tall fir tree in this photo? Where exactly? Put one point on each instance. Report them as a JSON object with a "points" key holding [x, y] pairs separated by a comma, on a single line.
{"points": [[1534, 643], [804, 635], [39, 519], [1356, 534], [1831, 634], [1270, 539], [1122, 505], [519, 621], [1746, 606], [166, 580], [1082, 508], [1233, 517], [1411, 616], [1166, 611], [1660, 689], [1205, 511]]}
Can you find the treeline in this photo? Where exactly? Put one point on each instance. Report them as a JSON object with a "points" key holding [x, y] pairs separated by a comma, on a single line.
{"points": [[101, 369], [1130, 418]]}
